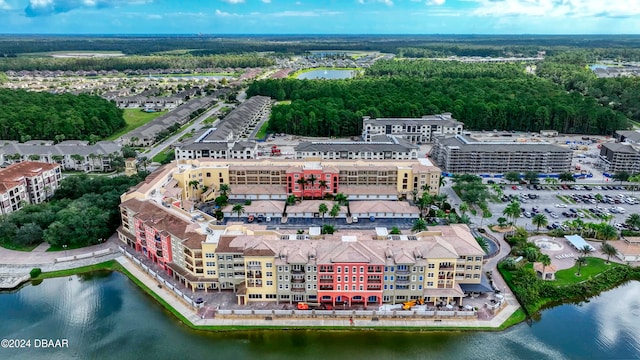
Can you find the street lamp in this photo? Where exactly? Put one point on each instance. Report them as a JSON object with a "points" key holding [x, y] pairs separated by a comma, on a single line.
{"points": [[64, 246]]}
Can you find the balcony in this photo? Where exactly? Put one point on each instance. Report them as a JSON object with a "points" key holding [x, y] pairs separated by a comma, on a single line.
{"points": [[448, 277], [326, 287], [159, 253], [142, 235], [447, 267], [254, 275], [238, 267], [252, 267], [297, 280], [326, 281], [374, 281], [297, 289], [297, 271], [402, 281], [403, 272], [374, 287]]}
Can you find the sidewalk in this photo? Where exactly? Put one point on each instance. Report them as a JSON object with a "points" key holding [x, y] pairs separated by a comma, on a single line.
{"points": [[191, 314]]}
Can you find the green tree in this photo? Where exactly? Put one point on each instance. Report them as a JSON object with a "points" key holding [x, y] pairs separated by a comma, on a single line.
{"points": [[29, 234], [566, 177], [621, 176], [486, 214], [238, 209], [334, 212], [464, 207], [419, 225], [609, 250], [328, 229], [302, 182], [323, 209], [193, 184], [312, 180], [512, 176], [586, 250], [532, 177], [502, 222], [512, 211], [341, 199], [224, 190], [545, 260], [580, 261], [395, 231], [608, 232], [539, 220], [633, 220]]}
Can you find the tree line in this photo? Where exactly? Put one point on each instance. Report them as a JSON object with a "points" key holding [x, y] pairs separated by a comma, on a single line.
{"points": [[28, 115], [187, 62], [514, 102], [82, 211]]}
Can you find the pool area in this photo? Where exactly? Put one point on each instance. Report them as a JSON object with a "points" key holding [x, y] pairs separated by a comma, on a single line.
{"points": [[548, 244]]}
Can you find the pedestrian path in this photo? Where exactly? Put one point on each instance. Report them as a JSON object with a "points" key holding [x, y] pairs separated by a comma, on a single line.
{"points": [[191, 314]]}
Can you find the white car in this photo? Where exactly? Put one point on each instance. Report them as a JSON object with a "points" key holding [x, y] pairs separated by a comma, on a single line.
{"points": [[561, 205]]}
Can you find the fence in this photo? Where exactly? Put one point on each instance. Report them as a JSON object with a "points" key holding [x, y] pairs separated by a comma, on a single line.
{"points": [[373, 315], [161, 281], [83, 256]]}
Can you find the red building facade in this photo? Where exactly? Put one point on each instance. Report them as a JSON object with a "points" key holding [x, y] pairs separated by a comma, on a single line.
{"points": [[350, 282], [312, 181], [153, 243]]}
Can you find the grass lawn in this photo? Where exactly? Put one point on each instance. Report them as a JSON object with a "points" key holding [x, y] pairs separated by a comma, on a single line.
{"points": [[134, 119], [107, 265], [262, 133], [16, 247], [162, 155], [593, 267]]}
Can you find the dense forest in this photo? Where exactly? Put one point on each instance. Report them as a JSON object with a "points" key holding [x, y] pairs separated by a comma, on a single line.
{"points": [[83, 211], [434, 45], [39, 115], [483, 96], [186, 62]]}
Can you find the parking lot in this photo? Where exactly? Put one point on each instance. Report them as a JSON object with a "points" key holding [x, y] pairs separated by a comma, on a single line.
{"points": [[591, 203]]}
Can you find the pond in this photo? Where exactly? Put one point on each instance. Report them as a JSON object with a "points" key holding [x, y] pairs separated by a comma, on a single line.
{"points": [[327, 74]]}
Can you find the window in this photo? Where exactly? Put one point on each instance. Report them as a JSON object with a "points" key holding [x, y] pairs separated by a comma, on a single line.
{"points": [[346, 269], [280, 269], [392, 277], [353, 287], [432, 266], [361, 287], [211, 263], [339, 287], [280, 277], [385, 287], [339, 278], [478, 258], [477, 267], [270, 296], [269, 283], [361, 278], [269, 265], [361, 269], [211, 272], [420, 278], [413, 287], [269, 274], [280, 286], [390, 287], [476, 276], [429, 275], [354, 270], [210, 255], [221, 275], [255, 296], [339, 269], [429, 283], [419, 287]]}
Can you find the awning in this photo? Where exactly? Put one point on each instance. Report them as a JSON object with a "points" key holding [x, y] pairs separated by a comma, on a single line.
{"points": [[482, 287]]}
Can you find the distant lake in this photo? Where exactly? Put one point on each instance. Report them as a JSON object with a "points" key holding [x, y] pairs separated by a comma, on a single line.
{"points": [[106, 316], [327, 74]]}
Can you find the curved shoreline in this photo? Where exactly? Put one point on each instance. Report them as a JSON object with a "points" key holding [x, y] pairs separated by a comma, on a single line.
{"points": [[295, 74]]}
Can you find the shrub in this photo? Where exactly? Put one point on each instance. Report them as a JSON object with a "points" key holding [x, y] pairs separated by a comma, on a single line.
{"points": [[35, 272]]}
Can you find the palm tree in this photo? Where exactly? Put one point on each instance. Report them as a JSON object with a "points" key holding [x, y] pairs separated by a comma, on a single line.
{"points": [[144, 162], [443, 181], [502, 222], [633, 220], [513, 210], [302, 182], [440, 199], [419, 225], [546, 261], [224, 190], [323, 209], [608, 232], [485, 215], [609, 250], [340, 198], [539, 220], [323, 185], [581, 260], [194, 185], [586, 250], [335, 211], [238, 209], [312, 180], [550, 180], [464, 207]]}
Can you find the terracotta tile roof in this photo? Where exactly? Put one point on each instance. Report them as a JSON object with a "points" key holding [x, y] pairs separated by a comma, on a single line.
{"points": [[15, 172]]}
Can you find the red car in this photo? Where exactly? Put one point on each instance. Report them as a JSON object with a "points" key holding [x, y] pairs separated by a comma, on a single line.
{"points": [[514, 187]]}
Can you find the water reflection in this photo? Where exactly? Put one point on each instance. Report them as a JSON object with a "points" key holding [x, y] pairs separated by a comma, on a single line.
{"points": [[107, 316]]}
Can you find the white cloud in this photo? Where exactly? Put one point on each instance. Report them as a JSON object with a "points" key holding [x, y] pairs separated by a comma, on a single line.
{"points": [[266, 1], [386, 2], [436, 2], [558, 8], [311, 13], [50, 7], [233, 1], [4, 5], [225, 14]]}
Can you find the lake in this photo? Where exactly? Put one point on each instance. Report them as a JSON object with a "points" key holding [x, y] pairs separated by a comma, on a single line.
{"points": [[105, 316], [327, 74]]}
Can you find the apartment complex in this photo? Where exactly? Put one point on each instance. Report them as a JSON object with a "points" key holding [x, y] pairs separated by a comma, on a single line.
{"points": [[278, 179], [27, 182], [70, 155], [414, 130], [225, 140], [615, 157], [461, 154], [380, 148], [368, 267]]}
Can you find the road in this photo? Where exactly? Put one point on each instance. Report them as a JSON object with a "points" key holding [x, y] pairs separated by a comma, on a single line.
{"points": [[158, 148]]}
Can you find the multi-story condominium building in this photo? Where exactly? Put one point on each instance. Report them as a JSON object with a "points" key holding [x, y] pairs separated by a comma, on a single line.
{"points": [[382, 147], [414, 130], [615, 157], [365, 266], [71, 154], [27, 182], [278, 179], [224, 141], [460, 155], [146, 134]]}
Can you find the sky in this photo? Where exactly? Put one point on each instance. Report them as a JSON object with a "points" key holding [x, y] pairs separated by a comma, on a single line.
{"points": [[320, 17]]}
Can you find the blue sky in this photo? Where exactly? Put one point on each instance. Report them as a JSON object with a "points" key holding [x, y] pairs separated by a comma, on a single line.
{"points": [[320, 16]]}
